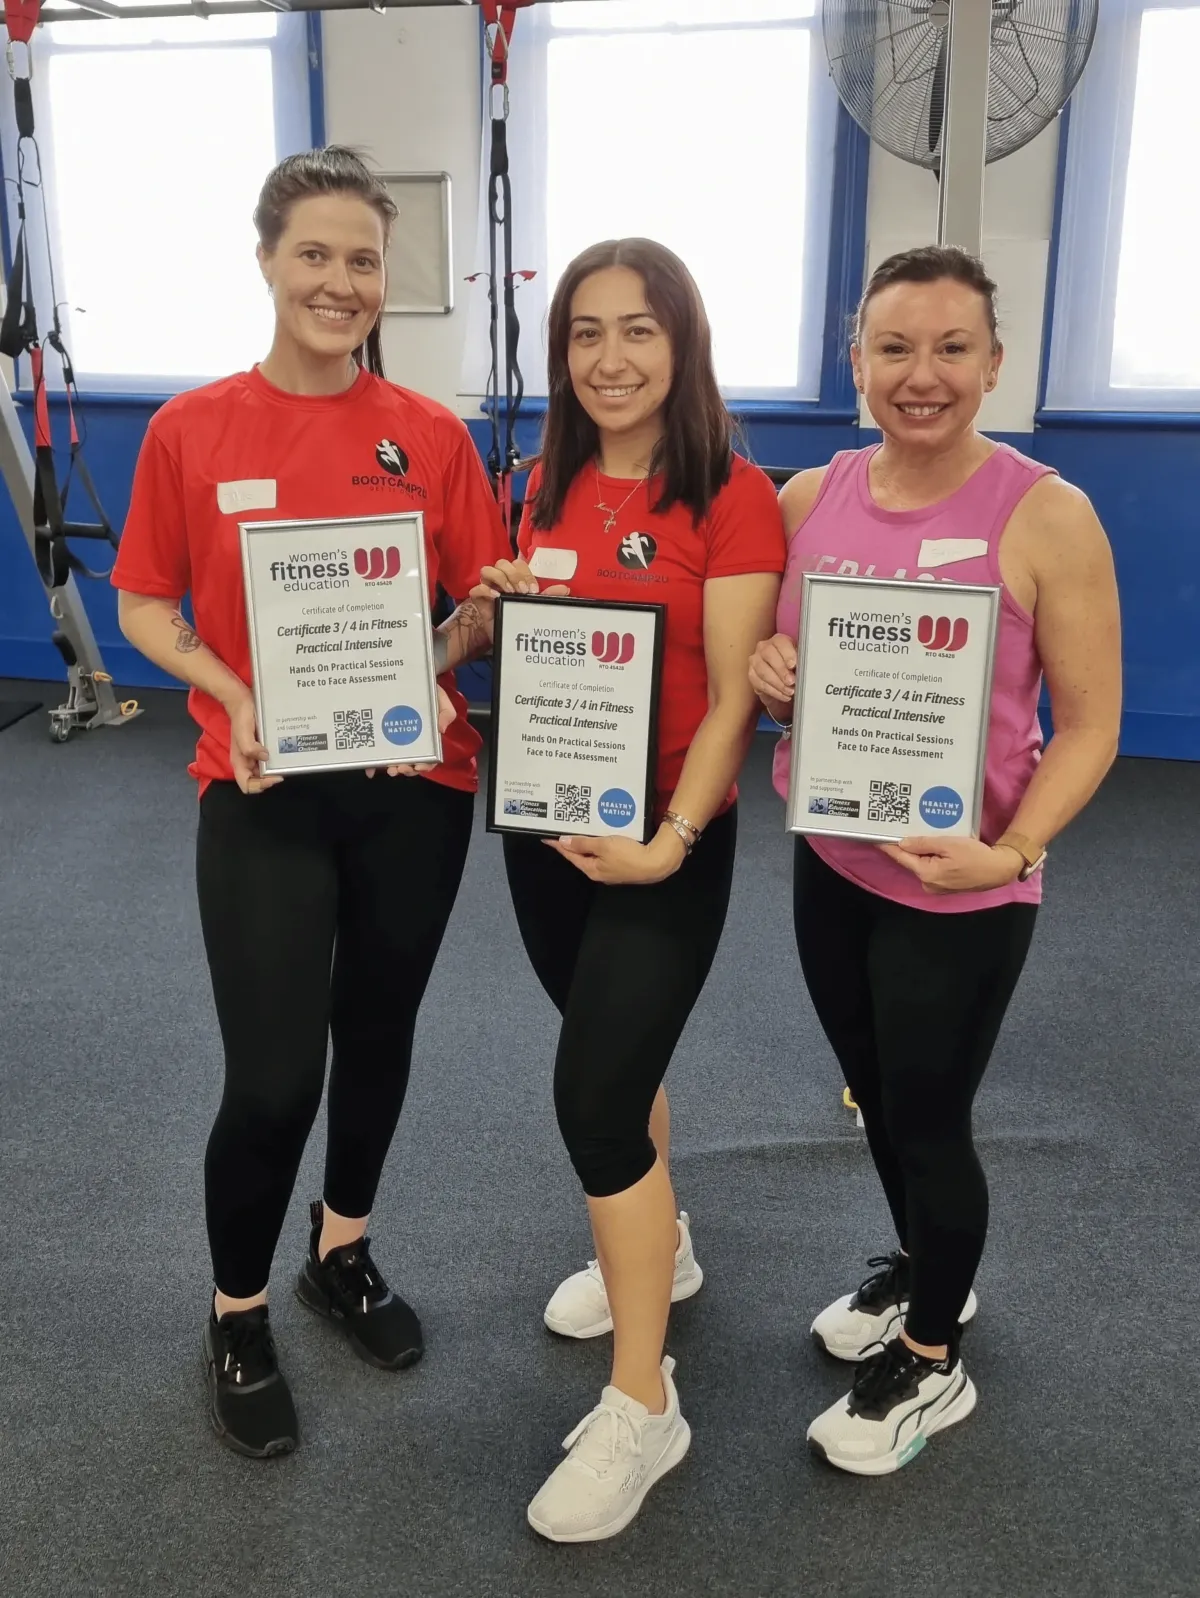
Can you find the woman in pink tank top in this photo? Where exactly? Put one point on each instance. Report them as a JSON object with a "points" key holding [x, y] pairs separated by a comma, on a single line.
{"points": [[912, 951]]}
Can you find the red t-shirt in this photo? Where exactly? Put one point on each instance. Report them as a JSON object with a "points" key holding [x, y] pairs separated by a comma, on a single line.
{"points": [[660, 558], [299, 456]]}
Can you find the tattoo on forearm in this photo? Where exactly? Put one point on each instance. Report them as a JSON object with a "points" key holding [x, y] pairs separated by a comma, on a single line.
{"points": [[466, 633], [187, 642]]}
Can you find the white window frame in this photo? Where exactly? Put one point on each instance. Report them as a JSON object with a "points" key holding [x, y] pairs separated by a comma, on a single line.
{"points": [[528, 133], [291, 64], [1092, 210]]}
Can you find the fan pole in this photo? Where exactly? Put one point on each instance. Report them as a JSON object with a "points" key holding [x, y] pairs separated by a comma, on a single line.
{"points": [[964, 131]]}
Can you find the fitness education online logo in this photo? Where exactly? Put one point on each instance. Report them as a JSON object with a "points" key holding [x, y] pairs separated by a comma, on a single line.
{"points": [[613, 649], [940, 635], [377, 565]]}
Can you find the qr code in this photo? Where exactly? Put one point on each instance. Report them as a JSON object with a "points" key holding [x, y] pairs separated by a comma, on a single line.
{"points": [[571, 802], [890, 801], [354, 729]]}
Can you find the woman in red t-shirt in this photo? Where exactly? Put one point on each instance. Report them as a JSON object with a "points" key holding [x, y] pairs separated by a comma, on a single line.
{"points": [[638, 496], [323, 898]]}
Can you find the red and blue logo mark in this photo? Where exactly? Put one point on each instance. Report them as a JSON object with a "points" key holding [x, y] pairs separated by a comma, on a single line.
{"points": [[377, 565], [942, 636], [612, 649]]}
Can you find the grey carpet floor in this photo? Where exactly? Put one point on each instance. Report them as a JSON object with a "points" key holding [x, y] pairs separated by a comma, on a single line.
{"points": [[1077, 1474]]}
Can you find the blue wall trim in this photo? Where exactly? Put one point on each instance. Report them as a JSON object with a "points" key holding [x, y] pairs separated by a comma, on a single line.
{"points": [[1144, 483], [847, 260], [1127, 420]]}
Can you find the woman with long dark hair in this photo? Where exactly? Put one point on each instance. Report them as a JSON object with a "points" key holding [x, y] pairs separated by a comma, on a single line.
{"points": [[323, 898], [638, 495]]}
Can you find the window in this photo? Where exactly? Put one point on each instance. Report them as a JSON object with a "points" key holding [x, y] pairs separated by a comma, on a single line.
{"points": [[155, 136], [708, 125], [1126, 329]]}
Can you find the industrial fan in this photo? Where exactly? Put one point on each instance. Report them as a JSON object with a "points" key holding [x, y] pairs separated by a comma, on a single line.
{"points": [[890, 62]]}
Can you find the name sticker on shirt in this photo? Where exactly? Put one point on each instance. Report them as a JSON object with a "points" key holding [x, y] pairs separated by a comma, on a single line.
{"points": [[252, 493], [555, 564], [946, 551]]}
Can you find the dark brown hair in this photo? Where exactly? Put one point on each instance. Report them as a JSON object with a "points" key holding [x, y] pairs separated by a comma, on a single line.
{"points": [[695, 453], [929, 264], [336, 169]]}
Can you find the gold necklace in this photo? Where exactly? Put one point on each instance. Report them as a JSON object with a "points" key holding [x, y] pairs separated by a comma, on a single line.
{"points": [[607, 511]]}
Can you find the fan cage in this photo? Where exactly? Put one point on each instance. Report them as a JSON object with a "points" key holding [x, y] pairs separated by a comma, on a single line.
{"points": [[888, 60]]}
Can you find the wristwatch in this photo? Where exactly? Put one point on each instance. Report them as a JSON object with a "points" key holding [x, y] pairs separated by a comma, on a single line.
{"points": [[1034, 855]]}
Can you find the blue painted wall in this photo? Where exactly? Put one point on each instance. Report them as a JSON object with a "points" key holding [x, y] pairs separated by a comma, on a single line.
{"points": [[1144, 482]]}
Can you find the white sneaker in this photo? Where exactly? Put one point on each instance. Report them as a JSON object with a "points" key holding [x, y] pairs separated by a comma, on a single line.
{"points": [[615, 1455], [898, 1402], [579, 1308], [859, 1321]]}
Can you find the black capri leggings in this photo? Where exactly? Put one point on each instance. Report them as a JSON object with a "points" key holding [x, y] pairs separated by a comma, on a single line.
{"points": [[911, 1002], [624, 966], [323, 903]]}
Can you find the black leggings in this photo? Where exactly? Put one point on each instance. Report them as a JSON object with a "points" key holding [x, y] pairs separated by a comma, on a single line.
{"points": [[624, 966], [323, 903], [911, 1002]]}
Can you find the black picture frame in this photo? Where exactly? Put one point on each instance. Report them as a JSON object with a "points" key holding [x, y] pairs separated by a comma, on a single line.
{"points": [[542, 603]]}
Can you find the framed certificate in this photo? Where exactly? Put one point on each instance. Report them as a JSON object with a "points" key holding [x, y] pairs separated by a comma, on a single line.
{"points": [[890, 722], [574, 736], [340, 642]]}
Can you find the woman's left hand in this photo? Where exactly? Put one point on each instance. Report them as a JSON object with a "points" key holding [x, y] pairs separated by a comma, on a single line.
{"points": [[620, 860], [955, 865], [446, 715]]}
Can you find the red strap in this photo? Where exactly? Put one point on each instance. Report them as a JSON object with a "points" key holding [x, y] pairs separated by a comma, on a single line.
{"points": [[502, 19], [21, 18], [41, 407]]}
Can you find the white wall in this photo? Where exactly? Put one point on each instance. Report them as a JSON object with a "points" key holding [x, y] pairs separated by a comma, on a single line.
{"points": [[406, 85], [1018, 214]]}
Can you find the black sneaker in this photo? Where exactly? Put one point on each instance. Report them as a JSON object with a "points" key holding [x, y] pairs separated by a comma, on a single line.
{"points": [[347, 1288], [853, 1326], [249, 1401], [898, 1402]]}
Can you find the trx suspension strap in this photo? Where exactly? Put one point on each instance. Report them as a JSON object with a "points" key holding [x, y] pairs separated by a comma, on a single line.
{"points": [[19, 336], [507, 390]]}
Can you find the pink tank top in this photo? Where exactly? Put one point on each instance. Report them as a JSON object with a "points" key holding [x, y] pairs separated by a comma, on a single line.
{"points": [[956, 540]]}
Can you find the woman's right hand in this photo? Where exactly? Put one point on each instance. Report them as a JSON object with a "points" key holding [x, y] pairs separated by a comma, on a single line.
{"points": [[773, 675], [512, 577], [246, 749]]}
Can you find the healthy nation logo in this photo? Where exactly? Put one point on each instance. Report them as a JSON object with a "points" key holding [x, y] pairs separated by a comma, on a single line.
{"points": [[940, 635], [377, 565], [612, 649]]}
